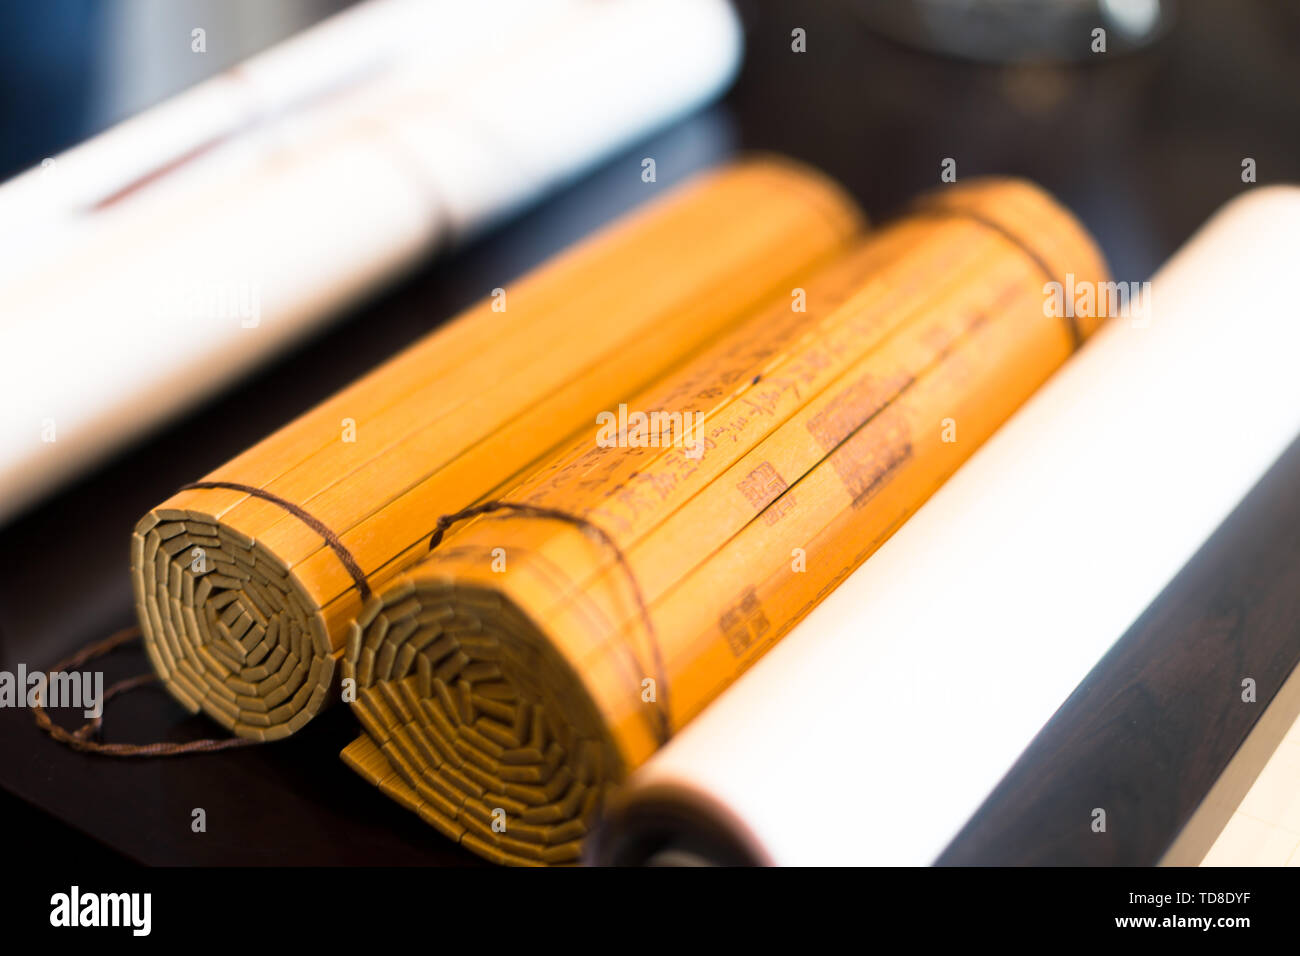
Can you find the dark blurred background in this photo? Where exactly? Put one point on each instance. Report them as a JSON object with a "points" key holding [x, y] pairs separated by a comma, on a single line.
{"points": [[1143, 142], [70, 68]]}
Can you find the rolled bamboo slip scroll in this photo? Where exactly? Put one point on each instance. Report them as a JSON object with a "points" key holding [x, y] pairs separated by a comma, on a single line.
{"points": [[245, 586], [546, 648]]}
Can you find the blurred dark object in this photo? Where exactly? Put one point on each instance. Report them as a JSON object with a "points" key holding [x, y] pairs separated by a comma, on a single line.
{"points": [[72, 68], [49, 54], [1142, 147], [1018, 31]]}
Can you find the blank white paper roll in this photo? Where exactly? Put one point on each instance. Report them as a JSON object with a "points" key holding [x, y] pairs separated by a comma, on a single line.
{"points": [[874, 731], [134, 298]]}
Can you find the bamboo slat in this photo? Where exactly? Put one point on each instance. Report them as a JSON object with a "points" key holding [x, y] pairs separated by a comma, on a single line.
{"points": [[244, 593], [541, 652]]}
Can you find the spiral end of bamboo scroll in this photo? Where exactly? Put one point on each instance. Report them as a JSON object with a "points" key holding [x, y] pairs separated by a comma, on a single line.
{"points": [[227, 627], [473, 722]]}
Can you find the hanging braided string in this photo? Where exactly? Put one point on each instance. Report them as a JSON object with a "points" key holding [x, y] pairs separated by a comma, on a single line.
{"points": [[81, 738]]}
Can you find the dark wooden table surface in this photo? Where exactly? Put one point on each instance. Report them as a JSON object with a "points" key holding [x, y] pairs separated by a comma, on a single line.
{"points": [[1142, 147]]}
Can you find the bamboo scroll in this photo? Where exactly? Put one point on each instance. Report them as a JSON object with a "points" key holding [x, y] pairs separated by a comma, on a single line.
{"points": [[545, 649], [245, 583]]}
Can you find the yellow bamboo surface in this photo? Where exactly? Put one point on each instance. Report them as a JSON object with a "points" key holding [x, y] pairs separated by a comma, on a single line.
{"points": [[243, 601], [507, 681]]}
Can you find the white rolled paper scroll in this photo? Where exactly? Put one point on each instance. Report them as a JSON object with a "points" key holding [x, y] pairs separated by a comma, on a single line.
{"points": [[873, 732], [153, 265]]}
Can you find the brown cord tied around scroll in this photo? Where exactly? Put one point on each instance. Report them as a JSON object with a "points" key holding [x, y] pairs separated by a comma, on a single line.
{"points": [[332, 540], [932, 205], [81, 738], [664, 726]]}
